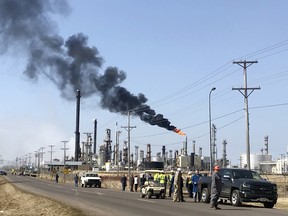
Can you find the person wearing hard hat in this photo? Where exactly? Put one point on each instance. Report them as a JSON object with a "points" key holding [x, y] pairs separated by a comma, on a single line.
{"points": [[216, 187]]}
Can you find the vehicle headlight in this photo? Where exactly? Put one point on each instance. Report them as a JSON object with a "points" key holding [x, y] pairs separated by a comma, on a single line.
{"points": [[246, 185]]}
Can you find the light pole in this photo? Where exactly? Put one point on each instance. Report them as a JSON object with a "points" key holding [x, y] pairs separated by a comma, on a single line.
{"points": [[210, 140]]}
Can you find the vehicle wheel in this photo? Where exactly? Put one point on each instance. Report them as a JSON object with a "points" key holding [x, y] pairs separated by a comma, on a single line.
{"points": [[82, 185], [85, 185], [163, 196], [99, 186], [235, 198], [205, 195], [268, 204], [142, 195], [149, 194]]}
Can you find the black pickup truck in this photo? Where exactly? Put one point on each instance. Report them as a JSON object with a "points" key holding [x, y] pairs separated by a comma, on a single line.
{"points": [[241, 185]]}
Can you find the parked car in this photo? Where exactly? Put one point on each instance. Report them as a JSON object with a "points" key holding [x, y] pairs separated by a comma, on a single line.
{"points": [[3, 172], [241, 185], [91, 179]]}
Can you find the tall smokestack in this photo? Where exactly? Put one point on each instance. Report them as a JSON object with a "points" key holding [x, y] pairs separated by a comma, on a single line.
{"points": [[95, 137], [163, 151], [148, 156], [266, 145], [200, 151], [77, 133], [192, 160], [193, 146]]}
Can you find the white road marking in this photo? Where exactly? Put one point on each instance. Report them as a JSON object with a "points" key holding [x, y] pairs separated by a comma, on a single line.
{"points": [[90, 191], [144, 200]]}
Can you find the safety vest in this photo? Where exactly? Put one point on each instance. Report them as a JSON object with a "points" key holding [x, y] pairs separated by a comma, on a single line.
{"points": [[162, 178], [156, 176]]}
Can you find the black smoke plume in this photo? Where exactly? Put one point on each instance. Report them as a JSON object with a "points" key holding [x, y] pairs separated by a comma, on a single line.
{"points": [[70, 64]]}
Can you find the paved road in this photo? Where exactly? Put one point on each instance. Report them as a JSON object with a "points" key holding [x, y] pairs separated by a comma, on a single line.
{"points": [[99, 201]]}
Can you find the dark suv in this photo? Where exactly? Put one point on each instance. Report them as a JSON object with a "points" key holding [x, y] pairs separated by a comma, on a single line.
{"points": [[2, 172], [241, 185]]}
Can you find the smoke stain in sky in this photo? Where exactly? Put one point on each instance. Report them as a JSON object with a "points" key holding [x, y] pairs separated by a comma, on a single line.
{"points": [[70, 64]]}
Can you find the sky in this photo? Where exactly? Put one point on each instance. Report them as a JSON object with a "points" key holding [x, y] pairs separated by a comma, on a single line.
{"points": [[165, 54]]}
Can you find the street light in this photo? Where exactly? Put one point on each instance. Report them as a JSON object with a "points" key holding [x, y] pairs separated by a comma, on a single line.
{"points": [[213, 89]]}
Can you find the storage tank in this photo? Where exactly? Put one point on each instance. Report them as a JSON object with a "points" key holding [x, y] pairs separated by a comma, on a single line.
{"points": [[156, 159]]}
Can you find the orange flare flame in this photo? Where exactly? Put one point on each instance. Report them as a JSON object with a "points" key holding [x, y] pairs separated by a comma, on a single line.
{"points": [[178, 131]]}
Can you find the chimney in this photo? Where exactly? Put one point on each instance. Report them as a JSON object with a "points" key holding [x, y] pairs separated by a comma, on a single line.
{"points": [[266, 144], [148, 155], [95, 137], [193, 146], [77, 133]]}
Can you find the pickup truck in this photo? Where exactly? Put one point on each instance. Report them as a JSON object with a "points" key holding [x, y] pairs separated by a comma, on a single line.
{"points": [[241, 185], [91, 179]]}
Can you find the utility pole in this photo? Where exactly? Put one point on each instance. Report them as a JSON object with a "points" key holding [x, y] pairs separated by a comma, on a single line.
{"points": [[64, 162], [128, 129], [41, 152], [224, 153], [244, 91], [51, 146]]}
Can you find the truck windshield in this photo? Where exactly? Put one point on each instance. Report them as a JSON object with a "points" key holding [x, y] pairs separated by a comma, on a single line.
{"points": [[237, 174], [92, 175]]}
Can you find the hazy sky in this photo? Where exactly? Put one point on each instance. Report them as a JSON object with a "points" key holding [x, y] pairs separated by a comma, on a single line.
{"points": [[173, 52]]}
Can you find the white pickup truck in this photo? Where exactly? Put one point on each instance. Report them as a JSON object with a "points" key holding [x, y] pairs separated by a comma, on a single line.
{"points": [[91, 179]]}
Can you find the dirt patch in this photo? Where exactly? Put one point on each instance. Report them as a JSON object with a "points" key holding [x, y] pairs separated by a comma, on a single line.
{"points": [[16, 202]]}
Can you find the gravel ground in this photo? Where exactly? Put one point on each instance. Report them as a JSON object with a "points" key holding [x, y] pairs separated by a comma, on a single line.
{"points": [[15, 202]]}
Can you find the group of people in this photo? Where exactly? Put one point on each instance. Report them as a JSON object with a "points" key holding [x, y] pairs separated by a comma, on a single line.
{"points": [[192, 185], [134, 182], [176, 184]]}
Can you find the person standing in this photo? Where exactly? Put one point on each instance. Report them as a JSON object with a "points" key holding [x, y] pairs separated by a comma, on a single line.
{"points": [[195, 179], [57, 177], [76, 180], [131, 181], [181, 188], [216, 187], [178, 187], [171, 181], [189, 184], [156, 176], [136, 180], [142, 180], [124, 182]]}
